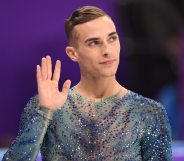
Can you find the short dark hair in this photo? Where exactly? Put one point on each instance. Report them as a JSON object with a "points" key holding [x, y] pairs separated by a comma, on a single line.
{"points": [[79, 16]]}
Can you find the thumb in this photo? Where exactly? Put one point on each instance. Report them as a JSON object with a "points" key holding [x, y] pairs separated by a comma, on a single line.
{"points": [[66, 86]]}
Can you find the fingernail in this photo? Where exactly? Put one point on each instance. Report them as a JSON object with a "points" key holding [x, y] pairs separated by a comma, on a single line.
{"points": [[43, 59], [38, 67]]}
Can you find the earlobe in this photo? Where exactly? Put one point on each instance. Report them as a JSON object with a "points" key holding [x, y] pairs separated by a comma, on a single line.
{"points": [[71, 53]]}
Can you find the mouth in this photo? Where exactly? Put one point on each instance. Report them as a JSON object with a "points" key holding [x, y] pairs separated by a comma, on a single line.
{"points": [[107, 62]]}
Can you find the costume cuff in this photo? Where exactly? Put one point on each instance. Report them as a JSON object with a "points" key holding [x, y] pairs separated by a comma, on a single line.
{"points": [[44, 111]]}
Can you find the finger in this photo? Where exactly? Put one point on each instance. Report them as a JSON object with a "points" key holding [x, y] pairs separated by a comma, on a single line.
{"points": [[57, 71], [44, 69], [38, 74], [49, 67], [66, 86]]}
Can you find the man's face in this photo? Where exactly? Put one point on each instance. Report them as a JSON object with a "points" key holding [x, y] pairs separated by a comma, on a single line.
{"points": [[98, 47]]}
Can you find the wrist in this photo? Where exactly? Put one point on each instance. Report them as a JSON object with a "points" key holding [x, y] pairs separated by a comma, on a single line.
{"points": [[44, 111]]}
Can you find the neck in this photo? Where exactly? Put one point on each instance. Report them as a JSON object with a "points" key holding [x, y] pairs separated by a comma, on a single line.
{"points": [[98, 88]]}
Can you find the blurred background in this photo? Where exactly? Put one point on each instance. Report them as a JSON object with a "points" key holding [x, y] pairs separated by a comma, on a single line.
{"points": [[152, 54]]}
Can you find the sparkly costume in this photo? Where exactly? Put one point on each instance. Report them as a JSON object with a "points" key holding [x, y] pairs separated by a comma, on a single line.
{"points": [[124, 128]]}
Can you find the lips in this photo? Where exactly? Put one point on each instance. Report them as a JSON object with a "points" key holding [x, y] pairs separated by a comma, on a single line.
{"points": [[110, 61]]}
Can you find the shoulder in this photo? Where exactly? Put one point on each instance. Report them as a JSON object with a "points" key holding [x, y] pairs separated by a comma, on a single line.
{"points": [[29, 111], [34, 99], [149, 112], [32, 103], [144, 104]]}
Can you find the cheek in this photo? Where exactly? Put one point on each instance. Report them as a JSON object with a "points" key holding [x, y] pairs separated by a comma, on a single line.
{"points": [[85, 60], [117, 49], [87, 55], [83, 57]]}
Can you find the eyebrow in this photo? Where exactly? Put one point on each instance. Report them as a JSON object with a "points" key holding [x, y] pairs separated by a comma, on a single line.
{"points": [[112, 33], [96, 38]]}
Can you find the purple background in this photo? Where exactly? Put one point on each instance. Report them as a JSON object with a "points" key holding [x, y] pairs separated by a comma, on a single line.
{"points": [[28, 31]]}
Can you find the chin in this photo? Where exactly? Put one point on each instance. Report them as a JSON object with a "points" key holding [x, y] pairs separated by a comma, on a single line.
{"points": [[108, 74], [104, 73]]}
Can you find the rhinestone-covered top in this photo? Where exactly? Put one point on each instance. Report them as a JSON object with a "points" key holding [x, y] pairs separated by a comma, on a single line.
{"points": [[117, 128]]}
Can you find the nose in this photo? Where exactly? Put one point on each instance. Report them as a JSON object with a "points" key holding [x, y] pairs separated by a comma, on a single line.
{"points": [[106, 51]]}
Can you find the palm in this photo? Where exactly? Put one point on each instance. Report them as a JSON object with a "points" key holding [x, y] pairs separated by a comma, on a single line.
{"points": [[49, 94]]}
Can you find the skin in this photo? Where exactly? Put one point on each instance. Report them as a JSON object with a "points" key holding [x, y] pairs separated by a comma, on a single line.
{"points": [[47, 82], [97, 51]]}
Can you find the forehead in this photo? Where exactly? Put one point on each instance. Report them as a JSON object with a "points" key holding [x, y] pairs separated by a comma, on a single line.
{"points": [[99, 27]]}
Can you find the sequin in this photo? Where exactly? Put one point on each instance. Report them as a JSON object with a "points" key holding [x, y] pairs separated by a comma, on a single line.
{"points": [[122, 128]]}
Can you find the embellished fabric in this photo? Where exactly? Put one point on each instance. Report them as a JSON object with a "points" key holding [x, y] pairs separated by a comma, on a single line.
{"points": [[117, 128]]}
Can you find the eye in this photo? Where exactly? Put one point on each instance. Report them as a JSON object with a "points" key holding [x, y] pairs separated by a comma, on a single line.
{"points": [[93, 43], [112, 38]]}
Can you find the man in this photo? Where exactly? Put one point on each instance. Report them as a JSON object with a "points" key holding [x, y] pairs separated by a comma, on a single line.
{"points": [[97, 119]]}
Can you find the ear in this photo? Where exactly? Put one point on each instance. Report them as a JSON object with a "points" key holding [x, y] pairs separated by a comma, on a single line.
{"points": [[71, 53]]}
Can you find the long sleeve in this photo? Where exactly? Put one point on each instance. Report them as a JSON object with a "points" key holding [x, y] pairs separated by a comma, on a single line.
{"points": [[33, 125], [156, 142]]}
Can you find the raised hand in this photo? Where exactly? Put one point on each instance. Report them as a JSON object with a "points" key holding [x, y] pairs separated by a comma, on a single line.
{"points": [[49, 94]]}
